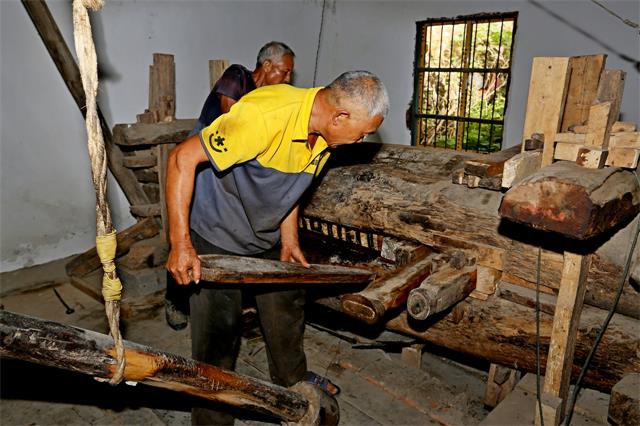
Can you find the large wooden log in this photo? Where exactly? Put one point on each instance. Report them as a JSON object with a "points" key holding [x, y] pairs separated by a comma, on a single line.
{"points": [[406, 192], [572, 201], [387, 292], [84, 351], [503, 332], [68, 68], [226, 269]]}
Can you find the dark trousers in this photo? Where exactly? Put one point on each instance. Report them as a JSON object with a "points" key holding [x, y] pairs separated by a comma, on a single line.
{"points": [[216, 327]]}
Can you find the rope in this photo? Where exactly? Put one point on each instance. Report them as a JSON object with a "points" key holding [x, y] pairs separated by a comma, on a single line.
{"points": [[105, 233]]}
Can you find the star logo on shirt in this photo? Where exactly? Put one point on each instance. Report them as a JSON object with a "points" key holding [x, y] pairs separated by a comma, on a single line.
{"points": [[216, 143]]}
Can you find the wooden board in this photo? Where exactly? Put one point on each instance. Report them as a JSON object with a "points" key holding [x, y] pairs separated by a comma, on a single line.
{"points": [[610, 92], [248, 270], [139, 161], [545, 103], [583, 87], [162, 87], [490, 165]]}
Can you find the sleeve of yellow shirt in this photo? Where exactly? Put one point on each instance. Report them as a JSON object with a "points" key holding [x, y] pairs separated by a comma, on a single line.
{"points": [[235, 137]]}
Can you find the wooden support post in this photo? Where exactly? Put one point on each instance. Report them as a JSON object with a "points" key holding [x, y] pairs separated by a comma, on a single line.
{"points": [[84, 351], [563, 335], [68, 68], [412, 355], [216, 69], [162, 88], [387, 292], [546, 100]]}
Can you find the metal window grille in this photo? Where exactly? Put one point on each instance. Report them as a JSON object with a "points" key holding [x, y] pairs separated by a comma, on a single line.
{"points": [[461, 81]]}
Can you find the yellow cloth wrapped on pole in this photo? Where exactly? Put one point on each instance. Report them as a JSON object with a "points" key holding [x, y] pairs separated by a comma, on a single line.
{"points": [[106, 248]]}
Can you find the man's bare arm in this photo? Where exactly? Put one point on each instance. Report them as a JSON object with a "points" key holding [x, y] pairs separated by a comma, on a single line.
{"points": [[291, 251], [183, 262]]}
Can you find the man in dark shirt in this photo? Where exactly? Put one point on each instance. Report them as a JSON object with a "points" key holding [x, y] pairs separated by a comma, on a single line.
{"points": [[274, 65]]}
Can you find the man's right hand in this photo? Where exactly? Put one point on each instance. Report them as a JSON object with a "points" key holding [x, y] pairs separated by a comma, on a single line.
{"points": [[184, 264]]}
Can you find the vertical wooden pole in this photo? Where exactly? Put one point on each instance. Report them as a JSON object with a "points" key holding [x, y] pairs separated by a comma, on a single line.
{"points": [[216, 69], [163, 154], [563, 337], [162, 87]]}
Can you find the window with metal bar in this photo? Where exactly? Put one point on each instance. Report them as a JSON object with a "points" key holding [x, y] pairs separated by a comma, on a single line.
{"points": [[461, 81]]}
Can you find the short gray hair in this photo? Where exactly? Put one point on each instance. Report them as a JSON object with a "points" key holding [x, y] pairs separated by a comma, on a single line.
{"points": [[273, 51], [363, 88]]}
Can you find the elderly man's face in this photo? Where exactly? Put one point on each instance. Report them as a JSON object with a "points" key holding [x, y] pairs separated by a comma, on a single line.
{"points": [[280, 71], [351, 128]]}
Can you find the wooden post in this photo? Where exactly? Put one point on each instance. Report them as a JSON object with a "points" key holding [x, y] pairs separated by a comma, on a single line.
{"points": [[68, 68], [583, 87], [563, 336], [216, 69], [162, 87], [606, 108]]}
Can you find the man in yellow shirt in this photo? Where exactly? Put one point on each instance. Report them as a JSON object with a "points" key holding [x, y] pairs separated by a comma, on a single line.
{"points": [[265, 152]]}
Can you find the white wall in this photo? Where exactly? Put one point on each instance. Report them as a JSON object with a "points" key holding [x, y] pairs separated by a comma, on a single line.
{"points": [[46, 199]]}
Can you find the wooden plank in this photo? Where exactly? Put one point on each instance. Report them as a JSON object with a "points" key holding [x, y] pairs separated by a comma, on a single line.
{"points": [[610, 92], [545, 103], [618, 126], [137, 134], [584, 75], [162, 87], [623, 157], [388, 291], [569, 200], [88, 352], [146, 176], [565, 327], [68, 68], [527, 297], [216, 69], [139, 161], [569, 137], [145, 210], [625, 140], [89, 261], [163, 155], [224, 269]]}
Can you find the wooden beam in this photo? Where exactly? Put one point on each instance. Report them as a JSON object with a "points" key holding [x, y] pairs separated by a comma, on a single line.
{"points": [[88, 261], [163, 156], [68, 68], [225, 269], [520, 166], [491, 164], [84, 351], [564, 332], [146, 210], [572, 201], [139, 161], [137, 134], [546, 100], [584, 76], [387, 292]]}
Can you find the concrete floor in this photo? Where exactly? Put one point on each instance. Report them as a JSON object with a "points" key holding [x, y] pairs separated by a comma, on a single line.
{"points": [[377, 388]]}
